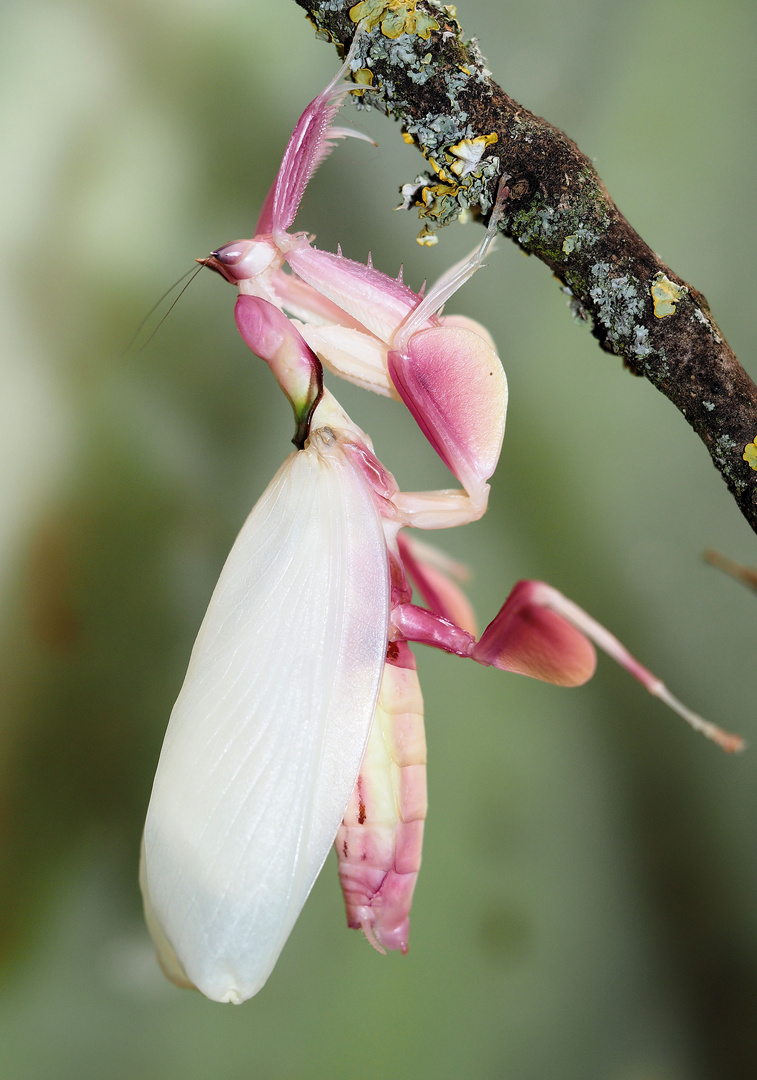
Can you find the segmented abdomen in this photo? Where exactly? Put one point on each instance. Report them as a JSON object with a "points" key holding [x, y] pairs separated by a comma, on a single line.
{"points": [[380, 840]]}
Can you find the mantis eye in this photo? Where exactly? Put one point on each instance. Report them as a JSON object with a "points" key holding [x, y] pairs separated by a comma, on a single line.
{"points": [[241, 259]]}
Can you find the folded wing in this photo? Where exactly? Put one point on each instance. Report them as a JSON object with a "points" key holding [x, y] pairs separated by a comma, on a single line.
{"points": [[265, 741]]}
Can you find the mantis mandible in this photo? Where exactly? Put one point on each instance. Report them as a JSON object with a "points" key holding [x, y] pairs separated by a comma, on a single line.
{"points": [[300, 718]]}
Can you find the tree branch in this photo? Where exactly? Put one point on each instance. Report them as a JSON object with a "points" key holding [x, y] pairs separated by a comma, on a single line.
{"points": [[416, 66]]}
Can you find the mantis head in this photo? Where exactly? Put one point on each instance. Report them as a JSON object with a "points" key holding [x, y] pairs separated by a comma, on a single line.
{"points": [[243, 260]]}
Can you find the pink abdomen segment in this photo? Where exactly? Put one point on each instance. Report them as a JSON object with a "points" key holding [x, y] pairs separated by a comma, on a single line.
{"points": [[380, 840]]}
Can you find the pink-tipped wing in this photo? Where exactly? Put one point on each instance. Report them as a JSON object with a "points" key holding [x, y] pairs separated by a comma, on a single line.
{"points": [[452, 382], [528, 638]]}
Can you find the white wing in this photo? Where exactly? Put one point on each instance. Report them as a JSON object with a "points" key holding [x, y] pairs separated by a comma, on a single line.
{"points": [[265, 741]]}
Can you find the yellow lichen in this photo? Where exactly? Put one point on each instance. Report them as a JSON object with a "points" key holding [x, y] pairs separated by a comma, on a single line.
{"points": [[665, 294], [459, 168], [427, 238], [469, 152], [750, 454], [396, 17], [364, 77], [408, 138], [443, 175], [434, 196], [320, 31]]}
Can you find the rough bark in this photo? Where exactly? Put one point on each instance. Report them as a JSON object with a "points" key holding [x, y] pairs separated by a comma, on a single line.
{"points": [[423, 72]]}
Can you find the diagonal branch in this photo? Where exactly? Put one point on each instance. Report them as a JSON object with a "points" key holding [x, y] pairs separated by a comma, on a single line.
{"points": [[417, 67]]}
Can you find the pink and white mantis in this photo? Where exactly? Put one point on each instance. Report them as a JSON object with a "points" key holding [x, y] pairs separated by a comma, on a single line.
{"points": [[300, 718]]}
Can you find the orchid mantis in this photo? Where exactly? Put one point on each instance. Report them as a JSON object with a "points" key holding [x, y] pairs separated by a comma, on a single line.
{"points": [[299, 722]]}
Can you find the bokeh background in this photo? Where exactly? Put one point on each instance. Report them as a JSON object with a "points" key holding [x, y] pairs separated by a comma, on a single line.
{"points": [[586, 909]]}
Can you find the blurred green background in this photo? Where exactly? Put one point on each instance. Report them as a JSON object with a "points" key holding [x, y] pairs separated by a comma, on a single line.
{"points": [[587, 902]]}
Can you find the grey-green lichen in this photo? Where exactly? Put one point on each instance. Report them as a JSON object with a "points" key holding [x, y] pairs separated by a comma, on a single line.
{"points": [[579, 239], [722, 455], [436, 130], [576, 224], [557, 231], [617, 301], [660, 370], [534, 223], [700, 317], [463, 175], [456, 81], [640, 346]]}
